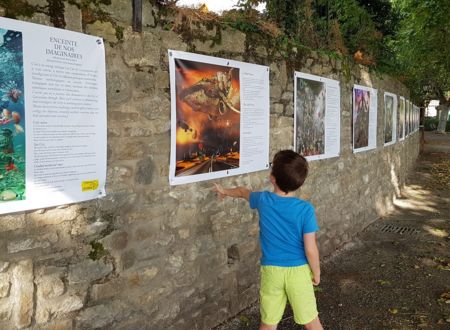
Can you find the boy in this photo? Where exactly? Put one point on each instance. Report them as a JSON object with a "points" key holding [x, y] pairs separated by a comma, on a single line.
{"points": [[288, 243]]}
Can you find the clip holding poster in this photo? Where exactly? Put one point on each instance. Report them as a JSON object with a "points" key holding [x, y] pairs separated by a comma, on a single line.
{"points": [[219, 117]]}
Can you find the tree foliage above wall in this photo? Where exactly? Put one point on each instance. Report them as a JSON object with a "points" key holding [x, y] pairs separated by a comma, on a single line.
{"points": [[406, 38]]}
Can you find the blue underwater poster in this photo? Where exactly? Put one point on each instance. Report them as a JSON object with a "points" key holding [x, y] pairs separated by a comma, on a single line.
{"points": [[12, 117]]}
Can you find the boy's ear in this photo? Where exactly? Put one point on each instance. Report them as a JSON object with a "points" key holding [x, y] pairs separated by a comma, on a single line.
{"points": [[272, 180]]}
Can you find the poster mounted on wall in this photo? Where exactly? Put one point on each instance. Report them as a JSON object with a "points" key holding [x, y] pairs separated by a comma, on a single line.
{"points": [[416, 118], [390, 118], [407, 110], [364, 118], [317, 116], [53, 116], [401, 119], [219, 117]]}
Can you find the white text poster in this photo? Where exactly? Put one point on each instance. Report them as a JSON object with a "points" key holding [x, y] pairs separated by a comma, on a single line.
{"points": [[53, 119], [220, 117], [364, 118], [317, 116]]}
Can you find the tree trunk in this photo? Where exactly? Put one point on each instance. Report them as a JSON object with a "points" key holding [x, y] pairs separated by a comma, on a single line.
{"points": [[443, 115]]}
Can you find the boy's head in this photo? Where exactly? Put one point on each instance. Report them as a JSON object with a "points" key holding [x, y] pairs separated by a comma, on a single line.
{"points": [[289, 169]]}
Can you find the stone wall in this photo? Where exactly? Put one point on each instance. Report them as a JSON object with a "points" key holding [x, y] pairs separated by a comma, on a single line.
{"points": [[151, 256]]}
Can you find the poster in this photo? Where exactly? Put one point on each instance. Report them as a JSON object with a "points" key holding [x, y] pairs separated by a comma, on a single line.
{"points": [[416, 118], [52, 116], [317, 116], [364, 118], [407, 111], [390, 118], [220, 117], [401, 119]]}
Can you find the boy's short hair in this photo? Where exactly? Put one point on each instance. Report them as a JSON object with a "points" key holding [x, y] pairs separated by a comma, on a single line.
{"points": [[289, 169]]}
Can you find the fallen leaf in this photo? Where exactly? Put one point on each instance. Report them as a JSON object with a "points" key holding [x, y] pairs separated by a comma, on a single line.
{"points": [[393, 310]]}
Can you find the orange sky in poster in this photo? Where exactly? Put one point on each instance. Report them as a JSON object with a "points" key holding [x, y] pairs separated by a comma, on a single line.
{"points": [[194, 127]]}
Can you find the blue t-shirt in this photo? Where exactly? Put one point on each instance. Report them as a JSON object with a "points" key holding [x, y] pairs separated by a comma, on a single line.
{"points": [[282, 223]]}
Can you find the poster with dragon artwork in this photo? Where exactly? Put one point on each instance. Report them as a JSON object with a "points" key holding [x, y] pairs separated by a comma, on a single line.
{"points": [[317, 116], [364, 118], [220, 117], [390, 118], [52, 116]]}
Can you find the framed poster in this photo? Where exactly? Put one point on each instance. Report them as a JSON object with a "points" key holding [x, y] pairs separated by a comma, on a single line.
{"points": [[53, 116], [407, 112], [401, 119], [220, 117], [416, 118], [317, 116], [364, 118], [390, 118]]}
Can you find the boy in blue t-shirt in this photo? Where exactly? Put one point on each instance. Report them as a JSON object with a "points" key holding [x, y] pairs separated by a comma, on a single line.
{"points": [[290, 258]]}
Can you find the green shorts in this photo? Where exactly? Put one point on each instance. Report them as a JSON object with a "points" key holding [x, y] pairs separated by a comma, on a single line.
{"points": [[279, 284]]}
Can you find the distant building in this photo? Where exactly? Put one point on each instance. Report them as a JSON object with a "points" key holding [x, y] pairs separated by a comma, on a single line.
{"points": [[431, 111]]}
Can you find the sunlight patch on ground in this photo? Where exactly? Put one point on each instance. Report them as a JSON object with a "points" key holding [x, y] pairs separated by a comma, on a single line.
{"points": [[415, 205], [436, 231]]}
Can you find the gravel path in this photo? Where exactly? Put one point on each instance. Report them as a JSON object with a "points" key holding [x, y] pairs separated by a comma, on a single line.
{"points": [[396, 273]]}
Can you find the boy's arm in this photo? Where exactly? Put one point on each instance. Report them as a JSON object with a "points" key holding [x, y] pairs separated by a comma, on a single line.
{"points": [[312, 254], [239, 192]]}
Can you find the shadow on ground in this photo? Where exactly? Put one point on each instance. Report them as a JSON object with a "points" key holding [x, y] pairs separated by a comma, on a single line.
{"points": [[396, 273]]}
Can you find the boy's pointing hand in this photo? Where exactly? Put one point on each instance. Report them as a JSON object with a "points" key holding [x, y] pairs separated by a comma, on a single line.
{"points": [[219, 190]]}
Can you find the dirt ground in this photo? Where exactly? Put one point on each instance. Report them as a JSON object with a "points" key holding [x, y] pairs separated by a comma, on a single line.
{"points": [[396, 273]]}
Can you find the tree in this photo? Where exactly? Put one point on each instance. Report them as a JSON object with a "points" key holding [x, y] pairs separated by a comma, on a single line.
{"points": [[422, 49]]}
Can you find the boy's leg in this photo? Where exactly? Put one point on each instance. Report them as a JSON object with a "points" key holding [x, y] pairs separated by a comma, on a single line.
{"points": [[300, 292], [314, 325], [263, 326], [272, 296]]}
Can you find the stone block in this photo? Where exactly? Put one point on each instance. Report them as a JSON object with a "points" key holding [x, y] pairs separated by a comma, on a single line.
{"points": [[57, 325], [52, 216], [144, 171], [155, 106], [12, 222], [141, 49], [119, 10], [5, 285], [26, 244], [50, 286], [117, 240], [72, 16], [119, 87], [107, 290], [148, 19], [232, 41], [278, 108], [102, 316], [22, 293], [3, 266], [89, 271], [37, 18], [102, 29], [5, 311], [57, 306]]}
